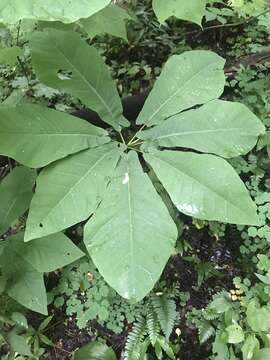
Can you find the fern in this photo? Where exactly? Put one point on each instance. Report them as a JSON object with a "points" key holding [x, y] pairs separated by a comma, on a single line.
{"points": [[206, 330], [161, 316], [135, 340], [153, 326], [165, 310], [210, 314]]}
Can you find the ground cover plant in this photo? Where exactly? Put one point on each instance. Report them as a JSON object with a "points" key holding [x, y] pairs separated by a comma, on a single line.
{"points": [[124, 236]]}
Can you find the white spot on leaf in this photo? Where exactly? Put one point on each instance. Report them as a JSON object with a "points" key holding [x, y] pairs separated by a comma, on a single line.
{"points": [[187, 208], [126, 179]]}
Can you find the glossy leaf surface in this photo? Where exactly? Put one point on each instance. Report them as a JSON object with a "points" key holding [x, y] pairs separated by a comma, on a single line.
{"points": [[69, 190], [220, 127], [203, 186], [63, 60], [35, 136], [190, 10], [131, 235], [189, 79], [95, 351], [15, 194], [11, 11]]}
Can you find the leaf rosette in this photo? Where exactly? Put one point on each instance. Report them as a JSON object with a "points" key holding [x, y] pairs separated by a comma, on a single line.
{"points": [[185, 134]]}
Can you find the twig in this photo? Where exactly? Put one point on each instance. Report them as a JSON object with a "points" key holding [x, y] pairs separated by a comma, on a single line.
{"points": [[18, 32], [122, 138], [221, 26], [24, 71]]}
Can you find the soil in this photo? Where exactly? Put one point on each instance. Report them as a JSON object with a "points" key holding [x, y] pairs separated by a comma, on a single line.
{"points": [[223, 252]]}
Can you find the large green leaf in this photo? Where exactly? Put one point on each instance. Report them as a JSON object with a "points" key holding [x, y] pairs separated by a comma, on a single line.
{"points": [[95, 351], [204, 186], [15, 194], [35, 135], [23, 265], [131, 235], [220, 127], [69, 190], [192, 78], [110, 20], [25, 284], [66, 11], [190, 10], [47, 254], [86, 76]]}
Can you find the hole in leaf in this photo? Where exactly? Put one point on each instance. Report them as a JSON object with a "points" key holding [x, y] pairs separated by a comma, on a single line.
{"points": [[68, 253], [41, 225], [64, 74]]}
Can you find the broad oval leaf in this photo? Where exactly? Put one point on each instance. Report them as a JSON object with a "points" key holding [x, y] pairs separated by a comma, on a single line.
{"points": [[131, 235], [36, 136], [24, 263], [25, 284], [69, 190], [48, 253], [95, 351], [221, 127], [85, 74], [190, 10], [235, 334], [67, 11], [192, 78], [110, 20], [27, 287], [204, 186], [15, 194]]}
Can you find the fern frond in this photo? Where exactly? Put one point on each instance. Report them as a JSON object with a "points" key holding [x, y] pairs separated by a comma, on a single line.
{"points": [[210, 314], [152, 323], [165, 309], [205, 330], [135, 340]]}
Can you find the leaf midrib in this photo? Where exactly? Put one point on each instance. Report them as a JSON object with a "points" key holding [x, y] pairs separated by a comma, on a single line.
{"points": [[50, 134], [177, 92], [131, 233], [204, 185], [71, 189], [85, 80], [183, 133]]}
